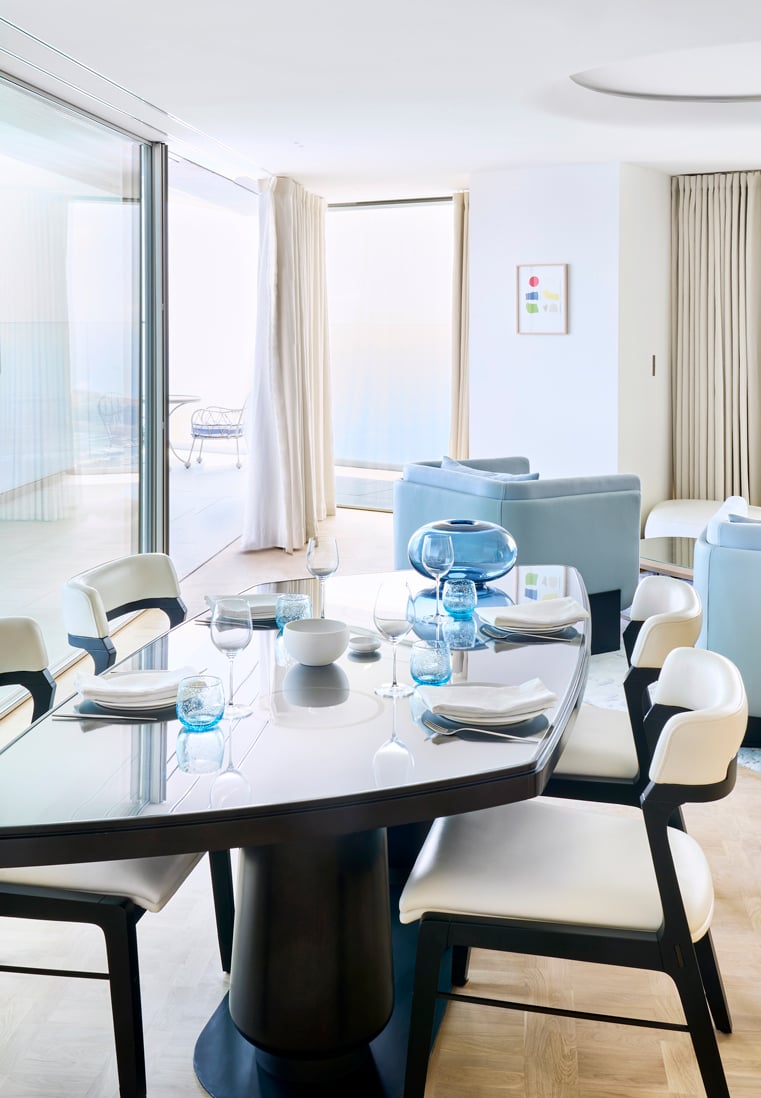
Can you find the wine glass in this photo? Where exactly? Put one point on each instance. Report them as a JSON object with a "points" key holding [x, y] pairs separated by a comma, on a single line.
{"points": [[393, 762], [231, 632], [437, 557], [322, 561], [230, 787], [393, 616]]}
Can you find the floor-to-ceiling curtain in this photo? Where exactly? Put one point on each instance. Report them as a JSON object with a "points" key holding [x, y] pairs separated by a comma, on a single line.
{"points": [[291, 483], [716, 335], [459, 430]]}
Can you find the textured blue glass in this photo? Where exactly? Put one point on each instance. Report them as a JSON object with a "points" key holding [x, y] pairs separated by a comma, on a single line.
{"points": [[459, 597], [483, 551]]}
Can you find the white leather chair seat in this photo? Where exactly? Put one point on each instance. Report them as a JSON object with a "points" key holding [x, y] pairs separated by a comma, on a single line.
{"points": [[551, 860], [149, 882], [600, 743]]}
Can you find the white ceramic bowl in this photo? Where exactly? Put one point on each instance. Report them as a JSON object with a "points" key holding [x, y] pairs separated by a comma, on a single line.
{"points": [[315, 641]]}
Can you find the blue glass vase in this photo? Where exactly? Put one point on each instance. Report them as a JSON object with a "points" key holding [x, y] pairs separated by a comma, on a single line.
{"points": [[483, 551]]}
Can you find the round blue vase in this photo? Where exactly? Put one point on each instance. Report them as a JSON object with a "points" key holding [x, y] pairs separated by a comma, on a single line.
{"points": [[483, 551]]}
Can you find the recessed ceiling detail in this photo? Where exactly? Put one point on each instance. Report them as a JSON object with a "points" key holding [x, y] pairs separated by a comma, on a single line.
{"points": [[714, 74]]}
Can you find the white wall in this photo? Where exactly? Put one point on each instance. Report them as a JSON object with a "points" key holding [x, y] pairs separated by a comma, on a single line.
{"points": [[553, 398], [644, 440], [585, 402]]}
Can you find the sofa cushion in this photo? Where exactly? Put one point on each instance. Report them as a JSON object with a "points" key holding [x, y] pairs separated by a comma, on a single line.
{"points": [[450, 465], [715, 531]]}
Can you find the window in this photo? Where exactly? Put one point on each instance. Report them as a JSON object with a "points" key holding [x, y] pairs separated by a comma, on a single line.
{"points": [[390, 304]]}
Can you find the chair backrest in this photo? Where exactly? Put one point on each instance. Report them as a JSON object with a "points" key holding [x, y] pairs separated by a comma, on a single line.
{"points": [[697, 745], [92, 599], [666, 613], [24, 661], [217, 422]]}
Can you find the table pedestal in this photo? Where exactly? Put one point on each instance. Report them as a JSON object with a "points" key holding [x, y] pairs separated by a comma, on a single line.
{"points": [[312, 988]]}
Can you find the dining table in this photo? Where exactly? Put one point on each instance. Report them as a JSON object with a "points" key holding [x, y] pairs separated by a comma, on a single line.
{"points": [[333, 790]]}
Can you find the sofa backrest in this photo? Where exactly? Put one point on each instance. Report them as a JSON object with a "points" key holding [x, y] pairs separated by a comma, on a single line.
{"points": [[591, 523]]}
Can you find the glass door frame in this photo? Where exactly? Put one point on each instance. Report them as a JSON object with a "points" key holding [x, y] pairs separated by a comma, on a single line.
{"points": [[153, 481]]}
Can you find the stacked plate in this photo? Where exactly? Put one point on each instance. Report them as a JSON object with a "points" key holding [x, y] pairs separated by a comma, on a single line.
{"points": [[543, 618], [138, 690], [488, 704], [262, 606]]}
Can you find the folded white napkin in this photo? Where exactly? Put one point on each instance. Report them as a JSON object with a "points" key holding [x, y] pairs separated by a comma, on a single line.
{"points": [[528, 616], [484, 701], [261, 605], [133, 689]]}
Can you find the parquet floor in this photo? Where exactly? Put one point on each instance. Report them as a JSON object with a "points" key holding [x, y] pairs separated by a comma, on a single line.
{"points": [[56, 1035]]}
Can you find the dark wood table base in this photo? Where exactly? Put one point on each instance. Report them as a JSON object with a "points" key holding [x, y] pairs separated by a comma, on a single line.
{"points": [[229, 1066]]}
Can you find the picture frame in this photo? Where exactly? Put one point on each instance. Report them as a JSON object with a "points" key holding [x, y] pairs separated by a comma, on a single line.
{"points": [[542, 299]]}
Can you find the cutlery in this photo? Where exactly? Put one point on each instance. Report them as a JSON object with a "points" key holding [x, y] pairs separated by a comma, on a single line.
{"points": [[440, 730], [107, 718], [513, 634]]}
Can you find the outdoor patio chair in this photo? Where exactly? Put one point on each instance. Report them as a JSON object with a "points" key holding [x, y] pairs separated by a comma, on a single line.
{"points": [[215, 422]]}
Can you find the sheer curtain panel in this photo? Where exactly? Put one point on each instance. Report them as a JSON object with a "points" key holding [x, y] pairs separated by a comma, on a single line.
{"points": [[459, 434], [291, 483], [716, 349]]}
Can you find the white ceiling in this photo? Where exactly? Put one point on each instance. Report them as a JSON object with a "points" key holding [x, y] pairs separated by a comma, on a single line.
{"points": [[409, 97]]}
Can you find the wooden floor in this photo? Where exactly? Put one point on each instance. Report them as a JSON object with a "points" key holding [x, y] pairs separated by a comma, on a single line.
{"points": [[56, 1035]]}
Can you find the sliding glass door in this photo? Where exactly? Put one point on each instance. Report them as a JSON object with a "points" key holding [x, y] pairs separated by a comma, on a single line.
{"points": [[70, 352]]}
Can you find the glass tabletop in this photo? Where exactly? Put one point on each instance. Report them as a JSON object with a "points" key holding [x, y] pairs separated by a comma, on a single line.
{"points": [[316, 743]]}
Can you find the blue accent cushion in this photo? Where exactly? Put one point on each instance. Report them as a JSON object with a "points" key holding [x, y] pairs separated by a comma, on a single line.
{"points": [[457, 466]]}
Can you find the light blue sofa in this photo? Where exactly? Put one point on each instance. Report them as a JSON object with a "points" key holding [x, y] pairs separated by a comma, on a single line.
{"points": [[728, 581], [590, 523]]}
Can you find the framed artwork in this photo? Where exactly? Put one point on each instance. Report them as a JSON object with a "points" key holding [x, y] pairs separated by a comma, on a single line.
{"points": [[542, 299]]}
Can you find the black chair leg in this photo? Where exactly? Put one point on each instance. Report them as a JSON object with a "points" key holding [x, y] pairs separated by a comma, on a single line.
{"points": [[432, 941], [118, 924], [460, 963], [713, 984], [224, 903], [692, 994]]}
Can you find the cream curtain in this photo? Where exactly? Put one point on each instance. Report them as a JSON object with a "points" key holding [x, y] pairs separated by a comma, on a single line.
{"points": [[716, 335], [291, 482], [459, 430]]}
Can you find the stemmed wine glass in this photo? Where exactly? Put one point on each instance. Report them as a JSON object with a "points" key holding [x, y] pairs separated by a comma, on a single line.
{"points": [[322, 561], [231, 632], [437, 557], [393, 762], [230, 787], [393, 616]]}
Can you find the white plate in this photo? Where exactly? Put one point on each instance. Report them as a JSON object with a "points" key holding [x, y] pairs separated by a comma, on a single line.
{"points": [[145, 705], [363, 645], [475, 719], [262, 606]]}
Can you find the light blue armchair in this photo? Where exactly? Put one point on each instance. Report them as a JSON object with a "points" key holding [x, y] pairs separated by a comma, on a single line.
{"points": [[728, 581], [590, 523]]}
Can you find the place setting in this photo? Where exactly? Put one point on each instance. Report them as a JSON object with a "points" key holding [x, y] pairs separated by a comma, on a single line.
{"points": [[485, 711], [262, 608], [546, 620], [132, 696]]}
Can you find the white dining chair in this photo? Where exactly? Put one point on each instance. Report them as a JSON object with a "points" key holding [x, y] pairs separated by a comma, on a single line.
{"points": [[113, 895], [560, 878], [24, 662], [92, 599], [606, 754]]}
